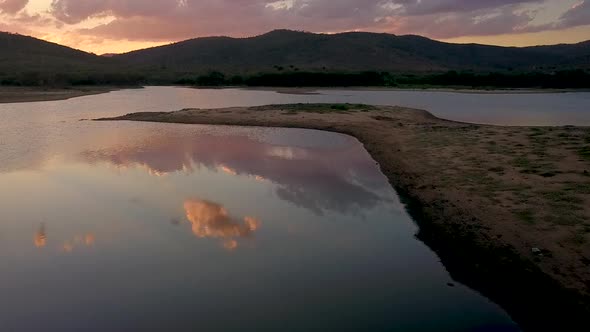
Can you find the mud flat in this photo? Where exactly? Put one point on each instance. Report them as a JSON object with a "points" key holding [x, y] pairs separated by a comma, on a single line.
{"points": [[31, 94], [507, 209]]}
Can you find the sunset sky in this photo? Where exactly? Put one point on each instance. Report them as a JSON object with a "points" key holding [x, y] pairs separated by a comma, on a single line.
{"points": [[114, 26]]}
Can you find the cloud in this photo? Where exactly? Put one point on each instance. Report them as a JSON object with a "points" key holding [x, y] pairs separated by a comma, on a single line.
{"points": [[75, 11], [40, 239], [578, 15], [478, 23], [427, 7], [211, 220], [144, 23], [12, 6], [164, 20], [306, 177]]}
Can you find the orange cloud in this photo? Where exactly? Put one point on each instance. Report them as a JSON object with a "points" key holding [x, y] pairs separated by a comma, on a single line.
{"points": [[228, 170], [89, 239], [79, 240], [211, 220], [40, 239]]}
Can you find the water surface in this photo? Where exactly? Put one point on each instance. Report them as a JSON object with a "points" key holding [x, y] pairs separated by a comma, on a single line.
{"points": [[500, 108], [135, 226], [119, 226]]}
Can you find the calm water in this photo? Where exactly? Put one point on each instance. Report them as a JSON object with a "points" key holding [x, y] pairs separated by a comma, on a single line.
{"points": [[135, 226], [492, 108], [216, 228]]}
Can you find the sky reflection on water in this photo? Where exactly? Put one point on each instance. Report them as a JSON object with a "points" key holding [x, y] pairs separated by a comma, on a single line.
{"points": [[156, 226]]}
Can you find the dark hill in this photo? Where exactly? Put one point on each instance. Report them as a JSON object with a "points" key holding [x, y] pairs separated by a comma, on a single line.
{"points": [[354, 51], [300, 58], [29, 61], [36, 54]]}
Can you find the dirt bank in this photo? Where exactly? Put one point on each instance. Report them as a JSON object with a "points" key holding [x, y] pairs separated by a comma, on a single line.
{"points": [[31, 94], [506, 208], [463, 90]]}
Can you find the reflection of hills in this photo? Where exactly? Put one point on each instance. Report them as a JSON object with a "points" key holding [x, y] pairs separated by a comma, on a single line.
{"points": [[342, 179], [211, 220]]}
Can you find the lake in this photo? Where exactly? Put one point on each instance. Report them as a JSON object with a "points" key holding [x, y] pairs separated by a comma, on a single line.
{"points": [[124, 226]]}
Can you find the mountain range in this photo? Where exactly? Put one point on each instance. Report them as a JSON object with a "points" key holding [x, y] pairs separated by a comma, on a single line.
{"points": [[285, 51], [353, 51]]}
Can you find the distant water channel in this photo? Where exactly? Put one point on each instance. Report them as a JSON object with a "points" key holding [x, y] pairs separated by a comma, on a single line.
{"points": [[498, 108], [120, 226]]}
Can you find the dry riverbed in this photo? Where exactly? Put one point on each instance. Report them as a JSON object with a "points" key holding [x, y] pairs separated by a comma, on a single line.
{"points": [[506, 208], [31, 94]]}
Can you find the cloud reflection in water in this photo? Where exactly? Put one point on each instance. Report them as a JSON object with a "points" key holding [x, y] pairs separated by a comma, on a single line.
{"points": [[211, 220], [40, 238], [67, 246], [341, 179]]}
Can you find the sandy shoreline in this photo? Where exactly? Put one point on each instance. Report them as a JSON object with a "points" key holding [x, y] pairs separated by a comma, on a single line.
{"points": [[506, 208], [34, 94], [315, 90], [10, 94]]}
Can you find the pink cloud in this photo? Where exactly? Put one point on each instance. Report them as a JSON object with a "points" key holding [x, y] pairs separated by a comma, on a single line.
{"points": [[426, 7], [577, 15], [12, 6], [75, 11], [477, 23], [161, 20]]}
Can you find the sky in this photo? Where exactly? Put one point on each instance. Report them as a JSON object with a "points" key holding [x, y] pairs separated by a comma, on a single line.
{"points": [[116, 26]]}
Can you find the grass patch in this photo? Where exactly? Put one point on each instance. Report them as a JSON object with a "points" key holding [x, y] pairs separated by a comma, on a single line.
{"points": [[528, 216], [499, 170], [536, 132], [561, 197], [340, 107], [579, 188], [315, 108], [579, 239], [565, 207], [549, 174], [521, 162], [529, 167], [565, 218], [585, 152]]}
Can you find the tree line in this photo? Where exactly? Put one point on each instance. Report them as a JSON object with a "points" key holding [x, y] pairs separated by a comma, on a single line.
{"points": [[559, 79]]}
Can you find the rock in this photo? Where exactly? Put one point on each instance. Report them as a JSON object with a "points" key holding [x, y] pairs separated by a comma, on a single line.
{"points": [[537, 251]]}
